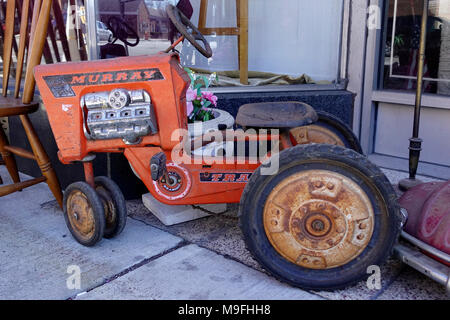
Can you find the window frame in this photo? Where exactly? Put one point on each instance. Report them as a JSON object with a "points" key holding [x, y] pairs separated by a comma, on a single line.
{"points": [[403, 94]]}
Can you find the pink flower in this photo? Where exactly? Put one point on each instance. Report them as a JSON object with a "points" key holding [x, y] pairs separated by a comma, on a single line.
{"points": [[210, 97], [191, 95], [189, 107]]}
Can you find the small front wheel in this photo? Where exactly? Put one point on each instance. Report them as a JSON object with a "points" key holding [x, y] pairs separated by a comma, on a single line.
{"points": [[84, 213], [114, 206]]}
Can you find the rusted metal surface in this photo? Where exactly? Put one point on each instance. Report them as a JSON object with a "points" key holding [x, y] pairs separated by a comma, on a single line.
{"points": [[80, 214], [318, 219], [108, 206], [315, 134], [89, 173]]}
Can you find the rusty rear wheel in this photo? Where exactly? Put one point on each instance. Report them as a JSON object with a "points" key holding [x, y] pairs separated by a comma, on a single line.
{"points": [[84, 213], [327, 130], [327, 217], [113, 204], [323, 219]]}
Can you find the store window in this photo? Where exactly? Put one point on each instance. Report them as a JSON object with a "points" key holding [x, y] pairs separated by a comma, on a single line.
{"points": [[401, 50], [289, 41]]}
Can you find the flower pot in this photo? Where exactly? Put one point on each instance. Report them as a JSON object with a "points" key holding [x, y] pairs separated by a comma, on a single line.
{"points": [[199, 128], [220, 117]]}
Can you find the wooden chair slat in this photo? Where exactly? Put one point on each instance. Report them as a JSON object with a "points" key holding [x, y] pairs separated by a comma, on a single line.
{"points": [[22, 45], [37, 47], [36, 7], [36, 35], [7, 43]]}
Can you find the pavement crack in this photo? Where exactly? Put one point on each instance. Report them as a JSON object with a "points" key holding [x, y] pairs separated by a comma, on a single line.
{"points": [[183, 243]]}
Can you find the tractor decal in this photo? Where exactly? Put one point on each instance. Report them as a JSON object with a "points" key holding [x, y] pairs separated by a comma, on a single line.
{"points": [[216, 177], [61, 85]]}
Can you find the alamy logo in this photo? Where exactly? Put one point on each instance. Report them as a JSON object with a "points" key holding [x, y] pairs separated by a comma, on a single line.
{"points": [[73, 282], [374, 280], [374, 17]]}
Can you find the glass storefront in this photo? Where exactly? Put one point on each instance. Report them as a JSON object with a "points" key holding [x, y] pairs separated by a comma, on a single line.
{"points": [[288, 42], [401, 50]]}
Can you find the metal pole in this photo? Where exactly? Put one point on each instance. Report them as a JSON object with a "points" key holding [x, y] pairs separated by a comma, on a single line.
{"points": [[91, 25], [415, 143]]}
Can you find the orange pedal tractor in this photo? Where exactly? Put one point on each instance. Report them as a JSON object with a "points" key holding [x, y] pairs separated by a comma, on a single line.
{"points": [[313, 212]]}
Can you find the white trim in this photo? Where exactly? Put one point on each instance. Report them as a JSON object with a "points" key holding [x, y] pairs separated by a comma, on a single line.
{"points": [[394, 26], [401, 164], [370, 75], [356, 58], [415, 78], [408, 99]]}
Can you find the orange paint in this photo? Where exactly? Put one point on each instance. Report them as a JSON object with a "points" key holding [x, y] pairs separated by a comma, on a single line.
{"points": [[62, 86]]}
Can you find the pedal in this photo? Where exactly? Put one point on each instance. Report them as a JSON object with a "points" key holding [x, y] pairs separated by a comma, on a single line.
{"points": [[158, 166]]}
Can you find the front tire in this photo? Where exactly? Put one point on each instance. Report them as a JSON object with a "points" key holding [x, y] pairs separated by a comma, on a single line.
{"points": [[114, 206], [84, 213], [322, 220]]}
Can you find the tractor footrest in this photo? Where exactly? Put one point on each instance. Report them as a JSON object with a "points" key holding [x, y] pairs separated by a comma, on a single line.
{"points": [[158, 166]]}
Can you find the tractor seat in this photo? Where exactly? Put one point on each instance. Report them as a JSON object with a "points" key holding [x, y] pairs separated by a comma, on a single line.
{"points": [[276, 115]]}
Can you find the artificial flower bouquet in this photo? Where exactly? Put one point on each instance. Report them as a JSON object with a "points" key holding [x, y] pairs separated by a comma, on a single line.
{"points": [[198, 102]]}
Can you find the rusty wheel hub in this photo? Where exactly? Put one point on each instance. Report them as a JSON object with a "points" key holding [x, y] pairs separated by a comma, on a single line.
{"points": [[80, 214], [316, 134], [318, 219], [108, 206]]}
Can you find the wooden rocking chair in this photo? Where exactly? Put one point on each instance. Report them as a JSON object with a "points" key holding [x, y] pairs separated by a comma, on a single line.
{"points": [[14, 106]]}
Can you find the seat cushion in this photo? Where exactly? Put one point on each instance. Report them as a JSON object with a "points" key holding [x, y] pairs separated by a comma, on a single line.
{"points": [[276, 115], [13, 107]]}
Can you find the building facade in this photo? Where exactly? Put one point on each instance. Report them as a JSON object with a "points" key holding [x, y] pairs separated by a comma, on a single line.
{"points": [[355, 59]]}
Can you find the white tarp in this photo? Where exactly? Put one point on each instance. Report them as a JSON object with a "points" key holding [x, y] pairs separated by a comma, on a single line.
{"points": [[291, 37]]}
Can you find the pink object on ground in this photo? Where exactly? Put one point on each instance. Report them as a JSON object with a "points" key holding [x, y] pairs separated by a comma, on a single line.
{"points": [[428, 208]]}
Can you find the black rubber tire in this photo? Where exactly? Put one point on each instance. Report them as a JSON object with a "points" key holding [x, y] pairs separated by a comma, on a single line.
{"points": [[118, 201], [97, 211], [387, 221], [339, 128]]}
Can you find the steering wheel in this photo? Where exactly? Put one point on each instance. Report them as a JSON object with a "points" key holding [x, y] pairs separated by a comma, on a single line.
{"points": [[122, 30], [182, 23]]}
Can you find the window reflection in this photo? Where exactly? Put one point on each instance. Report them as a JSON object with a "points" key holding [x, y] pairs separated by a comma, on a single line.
{"points": [[402, 46]]}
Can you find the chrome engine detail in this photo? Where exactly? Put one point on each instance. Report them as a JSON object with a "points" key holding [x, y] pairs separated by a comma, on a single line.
{"points": [[120, 113]]}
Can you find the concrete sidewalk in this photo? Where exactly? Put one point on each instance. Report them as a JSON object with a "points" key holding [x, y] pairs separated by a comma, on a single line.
{"points": [[37, 251], [202, 259]]}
